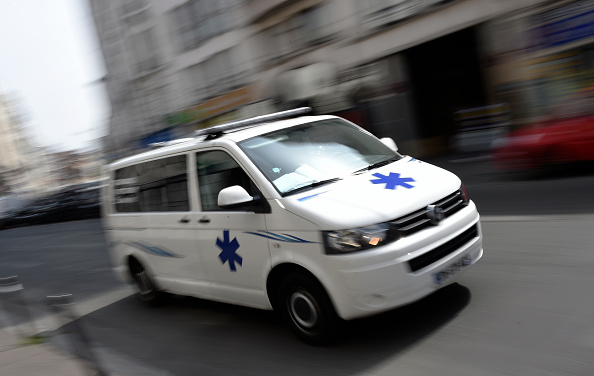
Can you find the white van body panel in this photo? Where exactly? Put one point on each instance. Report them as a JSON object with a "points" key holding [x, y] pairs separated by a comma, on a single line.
{"points": [[356, 201]]}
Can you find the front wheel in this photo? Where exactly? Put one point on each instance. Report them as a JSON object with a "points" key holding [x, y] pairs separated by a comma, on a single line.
{"points": [[305, 306]]}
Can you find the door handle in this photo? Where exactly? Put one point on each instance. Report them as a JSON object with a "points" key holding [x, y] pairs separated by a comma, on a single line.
{"points": [[184, 220], [204, 220]]}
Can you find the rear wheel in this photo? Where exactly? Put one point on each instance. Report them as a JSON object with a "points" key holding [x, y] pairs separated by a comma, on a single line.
{"points": [[305, 306], [147, 291]]}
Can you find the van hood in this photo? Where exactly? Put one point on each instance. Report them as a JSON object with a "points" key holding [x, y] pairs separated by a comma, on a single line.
{"points": [[379, 195]]}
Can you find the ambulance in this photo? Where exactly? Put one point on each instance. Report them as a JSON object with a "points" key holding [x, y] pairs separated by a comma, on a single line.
{"points": [[310, 216]]}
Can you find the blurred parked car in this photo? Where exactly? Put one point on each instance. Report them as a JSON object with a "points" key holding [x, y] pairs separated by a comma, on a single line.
{"points": [[564, 135], [70, 204]]}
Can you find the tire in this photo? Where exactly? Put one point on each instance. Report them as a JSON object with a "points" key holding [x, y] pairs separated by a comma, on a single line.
{"points": [[306, 308], [147, 291]]}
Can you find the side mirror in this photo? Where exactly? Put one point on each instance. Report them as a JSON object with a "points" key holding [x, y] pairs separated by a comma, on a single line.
{"points": [[234, 197], [389, 143]]}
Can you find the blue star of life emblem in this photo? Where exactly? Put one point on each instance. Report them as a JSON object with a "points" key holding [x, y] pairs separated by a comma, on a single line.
{"points": [[228, 251], [392, 180]]}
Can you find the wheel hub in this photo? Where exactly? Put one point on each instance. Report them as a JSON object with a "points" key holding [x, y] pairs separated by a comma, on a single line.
{"points": [[303, 309], [144, 283]]}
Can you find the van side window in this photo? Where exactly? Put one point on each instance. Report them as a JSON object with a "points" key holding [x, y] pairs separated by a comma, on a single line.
{"points": [[154, 186], [126, 190], [216, 171]]}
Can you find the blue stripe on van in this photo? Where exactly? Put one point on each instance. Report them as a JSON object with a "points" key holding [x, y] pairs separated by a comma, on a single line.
{"points": [[282, 238], [154, 250]]}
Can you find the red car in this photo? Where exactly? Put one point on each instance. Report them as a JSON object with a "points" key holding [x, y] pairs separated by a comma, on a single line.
{"points": [[565, 135]]}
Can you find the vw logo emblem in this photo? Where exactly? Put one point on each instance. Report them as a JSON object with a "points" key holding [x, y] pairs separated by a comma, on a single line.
{"points": [[435, 214]]}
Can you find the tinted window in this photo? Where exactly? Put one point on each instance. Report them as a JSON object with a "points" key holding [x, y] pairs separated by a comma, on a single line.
{"points": [[216, 171], [155, 186], [126, 190]]}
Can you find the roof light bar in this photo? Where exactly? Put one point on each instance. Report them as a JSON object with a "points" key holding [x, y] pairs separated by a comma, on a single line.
{"points": [[217, 130]]}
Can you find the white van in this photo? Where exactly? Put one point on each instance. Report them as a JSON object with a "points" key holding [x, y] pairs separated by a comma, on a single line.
{"points": [[311, 216]]}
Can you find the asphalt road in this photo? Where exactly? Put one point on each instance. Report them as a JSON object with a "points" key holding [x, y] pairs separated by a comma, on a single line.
{"points": [[525, 309], [68, 257], [563, 190]]}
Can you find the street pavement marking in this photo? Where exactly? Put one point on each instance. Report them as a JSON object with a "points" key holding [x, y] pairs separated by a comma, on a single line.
{"points": [[86, 306], [43, 320]]}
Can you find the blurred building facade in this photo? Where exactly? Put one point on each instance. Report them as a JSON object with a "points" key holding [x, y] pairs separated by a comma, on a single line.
{"points": [[53, 170], [544, 55], [401, 69], [165, 57], [28, 171], [15, 159]]}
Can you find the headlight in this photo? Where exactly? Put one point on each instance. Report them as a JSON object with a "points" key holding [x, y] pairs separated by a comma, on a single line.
{"points": [[464, 194], [358, 239]]}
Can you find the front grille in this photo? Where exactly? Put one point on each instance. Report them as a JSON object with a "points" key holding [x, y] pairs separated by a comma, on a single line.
{"points": [[452, 203], [418, 220], [443, 250]]}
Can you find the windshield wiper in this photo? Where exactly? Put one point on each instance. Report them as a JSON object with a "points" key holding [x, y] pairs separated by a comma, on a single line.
{"points": [[377, 164], [311, 185]]}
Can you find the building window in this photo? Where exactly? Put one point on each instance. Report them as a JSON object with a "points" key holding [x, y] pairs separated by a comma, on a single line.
{"points": [[133, 6], [306, 29], [195, 83], [212, 77], [155, 102], [381, 13], [199, 20], [144, 50], [218, 71], [134, 11]]}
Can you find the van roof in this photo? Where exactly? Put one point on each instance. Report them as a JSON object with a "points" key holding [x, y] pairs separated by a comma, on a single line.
{"points": [[234, 135]]}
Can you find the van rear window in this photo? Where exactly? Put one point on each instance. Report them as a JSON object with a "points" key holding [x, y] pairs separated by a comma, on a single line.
{"points": [[155, 186]]}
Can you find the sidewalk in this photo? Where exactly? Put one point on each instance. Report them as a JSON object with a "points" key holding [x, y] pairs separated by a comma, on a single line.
{"points": [[19, 358], [61, 349]]}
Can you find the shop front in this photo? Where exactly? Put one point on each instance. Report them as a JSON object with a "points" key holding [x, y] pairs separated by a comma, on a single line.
{"points": [[542, 57], [214, 111]]}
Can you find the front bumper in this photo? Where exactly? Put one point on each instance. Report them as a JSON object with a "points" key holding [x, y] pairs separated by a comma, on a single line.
{"points": [[378, 280]]}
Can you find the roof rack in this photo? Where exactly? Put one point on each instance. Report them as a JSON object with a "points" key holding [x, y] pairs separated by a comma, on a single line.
{"points": [[218, 130], [169, 143]]}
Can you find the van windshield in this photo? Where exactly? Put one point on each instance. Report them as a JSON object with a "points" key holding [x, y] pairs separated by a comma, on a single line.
{"points": [[308, 155]]}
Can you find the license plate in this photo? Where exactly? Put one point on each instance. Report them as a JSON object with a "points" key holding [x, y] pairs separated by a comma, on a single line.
{"points": [[442, 276]]}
